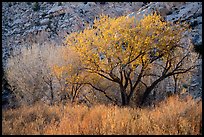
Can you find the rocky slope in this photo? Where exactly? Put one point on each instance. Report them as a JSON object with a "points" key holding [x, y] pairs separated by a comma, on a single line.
{"points": [[24, 23]]}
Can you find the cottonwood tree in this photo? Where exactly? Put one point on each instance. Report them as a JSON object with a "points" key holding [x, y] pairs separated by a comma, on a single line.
{"points": [[70, 82], [125, 51], [70, 77]]}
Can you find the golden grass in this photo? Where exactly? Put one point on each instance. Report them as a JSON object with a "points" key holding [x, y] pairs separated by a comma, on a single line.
{"points": [[173, 116]]}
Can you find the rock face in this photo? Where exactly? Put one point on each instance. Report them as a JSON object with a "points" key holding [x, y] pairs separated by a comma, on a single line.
{"points": [[27, 23], [190, 12], [23, 21], [45, 21]]}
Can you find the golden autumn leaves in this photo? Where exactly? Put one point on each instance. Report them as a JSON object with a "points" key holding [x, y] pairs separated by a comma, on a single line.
{"points": [[117, 48], [118, 41]]}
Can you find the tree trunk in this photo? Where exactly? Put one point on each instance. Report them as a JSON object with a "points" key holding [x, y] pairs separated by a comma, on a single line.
{"points": [[175, 83], [145, 95], [51, 94], [124, 97], [150, 88], [129, 96]]}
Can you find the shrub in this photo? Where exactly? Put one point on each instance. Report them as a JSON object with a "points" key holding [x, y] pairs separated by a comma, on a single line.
{"points": [[30, 74], [36, 6]]}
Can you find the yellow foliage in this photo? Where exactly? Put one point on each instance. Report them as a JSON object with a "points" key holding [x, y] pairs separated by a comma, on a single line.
{"points": [[122, 49], [119, 40]]}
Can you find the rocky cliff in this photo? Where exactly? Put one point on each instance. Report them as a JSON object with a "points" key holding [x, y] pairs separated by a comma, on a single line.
{"points": [[26, 22], [38, 22]]}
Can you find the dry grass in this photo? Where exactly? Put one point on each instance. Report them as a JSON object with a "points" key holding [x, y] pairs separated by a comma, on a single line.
{"points": [[173, 116]]}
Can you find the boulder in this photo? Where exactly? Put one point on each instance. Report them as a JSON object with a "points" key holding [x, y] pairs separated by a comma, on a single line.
{"points": [[18, 21], [57, 10], [45, 21], [186, 12], [89, 5], [27, 24]]}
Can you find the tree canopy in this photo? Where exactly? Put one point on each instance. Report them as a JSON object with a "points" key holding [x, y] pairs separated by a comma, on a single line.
{"points": [[124, 51]]}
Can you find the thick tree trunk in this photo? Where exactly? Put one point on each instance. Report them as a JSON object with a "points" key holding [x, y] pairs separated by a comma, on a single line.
{"points": [[130, 96], [175, 83], [150, 88], [145, 95], [124, 97], [51, 94]]}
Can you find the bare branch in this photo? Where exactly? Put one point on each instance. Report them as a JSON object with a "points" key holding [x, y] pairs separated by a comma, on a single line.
{"points": [[180, 63], [143, 83], [151, 74], [184, 70], [103, 91], [141, 53]]}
